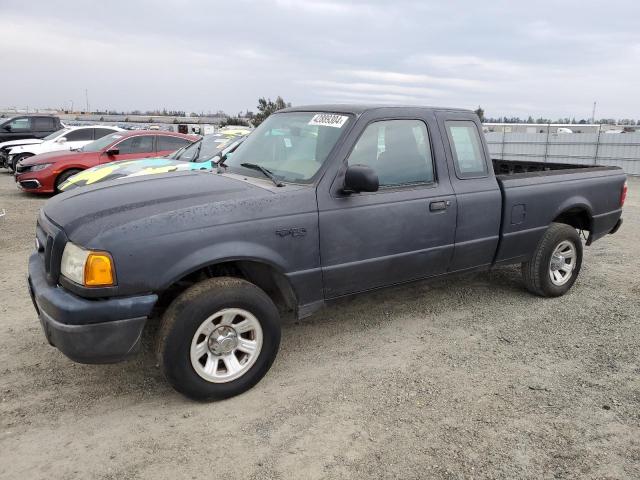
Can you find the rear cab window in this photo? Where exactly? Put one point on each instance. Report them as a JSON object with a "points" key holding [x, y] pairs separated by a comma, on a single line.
{"points": [[80, 135], [466, 148], [169, 143], [43, 124]]}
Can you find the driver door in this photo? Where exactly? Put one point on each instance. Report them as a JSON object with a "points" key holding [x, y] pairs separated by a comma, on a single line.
{"points": [[404, 231]]}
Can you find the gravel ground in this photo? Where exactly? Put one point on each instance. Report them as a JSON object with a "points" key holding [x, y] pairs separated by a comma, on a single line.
{"points": [[469, 377]]}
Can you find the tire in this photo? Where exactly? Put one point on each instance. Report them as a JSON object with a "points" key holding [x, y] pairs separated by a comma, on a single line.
{"points": [[538, 272], [199, 322], [64, 176], [12, 166]]}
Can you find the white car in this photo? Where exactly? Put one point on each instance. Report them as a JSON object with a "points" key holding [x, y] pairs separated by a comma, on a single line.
{"points": [[68, 138]]}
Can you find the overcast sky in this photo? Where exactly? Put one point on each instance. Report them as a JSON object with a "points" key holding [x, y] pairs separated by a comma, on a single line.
{"points": [[540, 58]]}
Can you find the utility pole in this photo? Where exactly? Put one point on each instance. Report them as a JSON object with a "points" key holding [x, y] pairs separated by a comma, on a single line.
{"points": [[593, 113], [86, 96]]}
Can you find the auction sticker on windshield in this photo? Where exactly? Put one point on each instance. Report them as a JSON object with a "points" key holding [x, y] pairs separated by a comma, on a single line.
{"points": [[328, 120]]}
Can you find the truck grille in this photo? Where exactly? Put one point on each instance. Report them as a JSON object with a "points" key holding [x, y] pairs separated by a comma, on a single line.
{"points": [[51, 241]]}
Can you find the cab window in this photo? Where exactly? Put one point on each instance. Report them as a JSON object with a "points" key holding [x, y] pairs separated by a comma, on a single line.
{"points": [[168, 143], [466, 147], [397, 150], [43, 124], [20, 124], [80, 135], [101, 132], [137, 144]]}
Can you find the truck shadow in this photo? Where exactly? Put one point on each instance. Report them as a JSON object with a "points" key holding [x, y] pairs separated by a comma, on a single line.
{"points": [[139, 379], [354, 314]]}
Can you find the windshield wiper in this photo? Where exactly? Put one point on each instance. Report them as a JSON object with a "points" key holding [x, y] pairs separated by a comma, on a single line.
{"points": [[266, 172]]}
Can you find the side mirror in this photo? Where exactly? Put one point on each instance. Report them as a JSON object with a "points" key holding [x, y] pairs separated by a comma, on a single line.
{"points": [[112, 152], [360, 178], [7, 127], [61, 140]]}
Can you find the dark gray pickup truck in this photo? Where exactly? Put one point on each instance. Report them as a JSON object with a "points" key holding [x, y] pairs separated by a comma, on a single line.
{"points": [[319, 202]]}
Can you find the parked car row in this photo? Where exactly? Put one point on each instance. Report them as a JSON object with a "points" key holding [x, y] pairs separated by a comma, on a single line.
{"points": [[45, 173], [200, 155], [46, 159], [67, 138]]}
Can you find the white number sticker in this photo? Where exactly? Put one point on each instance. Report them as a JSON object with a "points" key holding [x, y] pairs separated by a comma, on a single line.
{"points": [[328, 120]]}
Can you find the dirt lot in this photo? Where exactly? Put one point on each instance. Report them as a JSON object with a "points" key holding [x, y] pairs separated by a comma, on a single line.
{"points": [[459, 378]]}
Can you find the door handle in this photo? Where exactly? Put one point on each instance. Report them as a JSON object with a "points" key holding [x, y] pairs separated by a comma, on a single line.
{"points": [[439, 205]]}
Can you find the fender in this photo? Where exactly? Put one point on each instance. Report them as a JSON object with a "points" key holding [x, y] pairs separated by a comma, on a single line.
{"points": [[219, 253], [571, 203]]}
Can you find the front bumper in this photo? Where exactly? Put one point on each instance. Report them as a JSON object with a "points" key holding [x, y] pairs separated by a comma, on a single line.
{"points": [[30, 182], [87, 331]]}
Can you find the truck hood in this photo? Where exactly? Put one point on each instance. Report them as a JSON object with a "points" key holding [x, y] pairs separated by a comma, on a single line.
{"points": [[148, 207]]}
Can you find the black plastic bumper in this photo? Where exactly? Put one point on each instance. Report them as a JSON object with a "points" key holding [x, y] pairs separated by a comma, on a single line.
{"points": [[616, 227], [88, 331]]}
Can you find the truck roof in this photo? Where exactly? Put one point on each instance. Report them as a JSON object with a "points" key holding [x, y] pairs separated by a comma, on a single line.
{"points": [[358, 109]]}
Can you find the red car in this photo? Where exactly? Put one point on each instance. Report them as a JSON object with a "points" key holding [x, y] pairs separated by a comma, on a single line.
{"points": [[44, 173]]}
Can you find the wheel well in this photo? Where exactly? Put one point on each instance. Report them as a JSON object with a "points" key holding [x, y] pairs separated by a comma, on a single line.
{"points": [[577, 217], [77, 170], [266, 277]]}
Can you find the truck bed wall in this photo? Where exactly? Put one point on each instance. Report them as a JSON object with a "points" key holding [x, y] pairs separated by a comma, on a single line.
{"points": [[512, 167], [532, 200]]}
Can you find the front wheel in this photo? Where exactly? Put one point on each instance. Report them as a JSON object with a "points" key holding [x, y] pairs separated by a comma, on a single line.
{"points": [[14, 161], [64, 176], [556, 262], [218, 338]]}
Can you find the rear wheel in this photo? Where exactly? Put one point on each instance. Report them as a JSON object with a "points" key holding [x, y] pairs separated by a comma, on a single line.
{"points": [[218, 338], [556, 262], [64, 176]]}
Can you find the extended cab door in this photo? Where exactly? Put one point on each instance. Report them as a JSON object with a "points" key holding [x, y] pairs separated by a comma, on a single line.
{"points": [[405, 231], [477, 191]]}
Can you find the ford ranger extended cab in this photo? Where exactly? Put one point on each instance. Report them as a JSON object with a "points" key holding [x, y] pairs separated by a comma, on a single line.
{"points": [[319, 202]]}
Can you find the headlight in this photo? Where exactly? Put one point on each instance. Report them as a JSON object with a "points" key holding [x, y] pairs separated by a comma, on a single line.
{"points": [[40, 166], [87, 267]]}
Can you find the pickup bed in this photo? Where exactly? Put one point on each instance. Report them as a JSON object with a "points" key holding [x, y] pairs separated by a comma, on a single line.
{"points": [[318, 203]]}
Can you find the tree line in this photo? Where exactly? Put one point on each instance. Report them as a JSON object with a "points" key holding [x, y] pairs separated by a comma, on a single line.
{"points": [[266, 107], [566, 120]]}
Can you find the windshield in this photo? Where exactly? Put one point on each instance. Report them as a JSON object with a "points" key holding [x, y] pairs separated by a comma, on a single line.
{"points": [[292, 146], [56, 134], [100, 144]]}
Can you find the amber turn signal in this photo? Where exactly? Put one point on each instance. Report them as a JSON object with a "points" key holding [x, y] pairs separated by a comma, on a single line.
{"points": [[98, 270]]}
